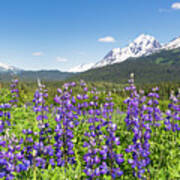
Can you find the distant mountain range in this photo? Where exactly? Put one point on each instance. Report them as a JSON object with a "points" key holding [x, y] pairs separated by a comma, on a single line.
{"points": [[7, 72], [142, 46], [7, 68], [44, 75], [145, 56]]}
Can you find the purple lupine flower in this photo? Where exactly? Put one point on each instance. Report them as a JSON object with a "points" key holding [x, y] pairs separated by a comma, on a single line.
{"points": [[40, 107], [5, 117], [173, 113], [132, 102], [65, 118], [154, 113], [14, 92], [10, 147], [100, 158], [39, 152], [140, 126], [114, 160]]}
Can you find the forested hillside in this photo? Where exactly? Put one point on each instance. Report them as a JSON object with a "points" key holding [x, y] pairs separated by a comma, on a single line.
{"points": [[163, 66]]}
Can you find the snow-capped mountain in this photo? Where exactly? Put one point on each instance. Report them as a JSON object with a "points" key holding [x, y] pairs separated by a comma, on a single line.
{"points": [[141, 46], [7, 68], [175, 43], [81, 67]]}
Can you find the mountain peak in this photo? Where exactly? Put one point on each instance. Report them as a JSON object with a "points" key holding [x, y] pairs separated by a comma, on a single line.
{"points": [[144, 37], [6, 67], [175, 43], [146, 41], [142, 45]]}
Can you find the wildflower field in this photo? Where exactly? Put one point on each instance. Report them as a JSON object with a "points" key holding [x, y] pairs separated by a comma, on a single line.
{"points": [[85, 136]]}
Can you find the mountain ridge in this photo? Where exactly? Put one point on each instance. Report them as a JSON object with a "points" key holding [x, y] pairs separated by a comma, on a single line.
{"points": [[143, 45], [162, 66], [44, 75]]}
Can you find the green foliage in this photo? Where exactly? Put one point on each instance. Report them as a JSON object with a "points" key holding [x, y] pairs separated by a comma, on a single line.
{"points": [[159, 60], [5, 95], [165, 154], [117, 90]]}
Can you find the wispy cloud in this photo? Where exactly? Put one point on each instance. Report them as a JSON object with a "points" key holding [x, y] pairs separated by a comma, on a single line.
{"points": [[61, 59], [176, 6], [37, 53], [107, 39]]}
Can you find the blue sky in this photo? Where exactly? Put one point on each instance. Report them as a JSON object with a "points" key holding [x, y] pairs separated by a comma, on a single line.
{"points": [[60, 34]]}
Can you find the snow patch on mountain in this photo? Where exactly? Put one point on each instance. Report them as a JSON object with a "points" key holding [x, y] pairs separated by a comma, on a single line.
{"points": [[81, 67], [175, 43], [6, 67]]}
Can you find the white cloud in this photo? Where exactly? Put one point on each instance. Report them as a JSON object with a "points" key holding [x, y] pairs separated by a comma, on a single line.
{"points": [[107, 39], [176, 6], [61, 59], [37, 53]]}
